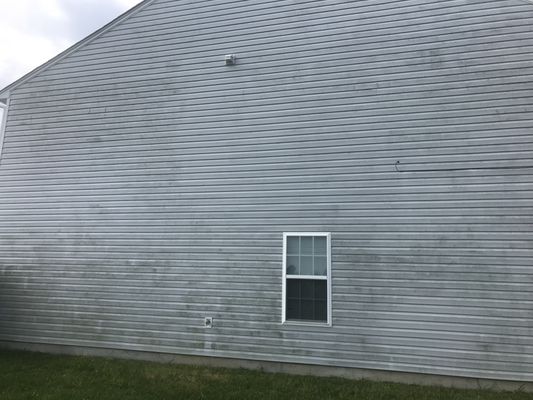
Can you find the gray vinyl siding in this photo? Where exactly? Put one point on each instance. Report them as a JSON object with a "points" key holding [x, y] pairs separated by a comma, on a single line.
{"points": [[144, 185]]}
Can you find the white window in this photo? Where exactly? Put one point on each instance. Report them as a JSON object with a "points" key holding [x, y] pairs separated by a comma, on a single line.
{"points": [[306, 277]]}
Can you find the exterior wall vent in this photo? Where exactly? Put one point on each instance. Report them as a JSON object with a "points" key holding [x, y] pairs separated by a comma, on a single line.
{"points": [[230, 59]]}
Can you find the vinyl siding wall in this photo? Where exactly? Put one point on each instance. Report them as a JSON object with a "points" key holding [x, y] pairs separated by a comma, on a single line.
{"points": [[145, 185]]}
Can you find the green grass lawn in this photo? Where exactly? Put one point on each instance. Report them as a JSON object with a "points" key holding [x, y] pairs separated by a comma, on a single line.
{"points": [[39, 376]]}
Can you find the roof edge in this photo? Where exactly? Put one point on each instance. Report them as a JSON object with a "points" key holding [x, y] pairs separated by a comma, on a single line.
{"points": [[5, 92]]}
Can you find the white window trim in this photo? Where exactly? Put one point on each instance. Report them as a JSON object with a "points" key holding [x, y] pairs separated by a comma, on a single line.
{"points": [[285, 277], [3, 124]]}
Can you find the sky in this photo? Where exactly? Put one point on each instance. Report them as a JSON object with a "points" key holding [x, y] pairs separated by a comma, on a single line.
{"points": [[34, 31]]}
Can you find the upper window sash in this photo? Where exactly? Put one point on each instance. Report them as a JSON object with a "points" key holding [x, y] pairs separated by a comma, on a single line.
{"points": [[306, 254]]}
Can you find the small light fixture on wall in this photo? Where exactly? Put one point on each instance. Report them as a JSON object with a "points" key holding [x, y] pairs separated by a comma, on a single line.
{"points": [[230, 59]]}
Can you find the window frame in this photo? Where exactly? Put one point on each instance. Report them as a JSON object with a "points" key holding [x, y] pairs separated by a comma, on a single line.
{"points": [[327, 278]]}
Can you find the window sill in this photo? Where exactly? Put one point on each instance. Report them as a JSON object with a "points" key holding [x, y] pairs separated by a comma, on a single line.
{"points": [[307, 323]]}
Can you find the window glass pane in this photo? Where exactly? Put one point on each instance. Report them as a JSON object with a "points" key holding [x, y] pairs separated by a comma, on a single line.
{"points": [[321, 313], [321, 247], [293, 265], [307, 289], [293, 245], [306, 265], [307, 245], [308, 310], [293, 288], [321, 266], [293, 299], [320, 290], [293, 309]]}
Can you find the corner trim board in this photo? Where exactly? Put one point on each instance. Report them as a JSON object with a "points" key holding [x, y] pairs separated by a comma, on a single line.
{"points": [[5, 107]]}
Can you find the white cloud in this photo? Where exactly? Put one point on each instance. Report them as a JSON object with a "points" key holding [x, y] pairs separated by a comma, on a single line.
{"points": [[33, 31], [127, 3]]}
